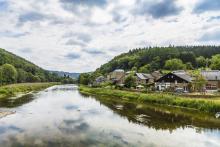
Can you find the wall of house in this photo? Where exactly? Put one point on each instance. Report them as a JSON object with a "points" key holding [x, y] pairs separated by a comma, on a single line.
{"points": [[212, 85], [172, 86]]}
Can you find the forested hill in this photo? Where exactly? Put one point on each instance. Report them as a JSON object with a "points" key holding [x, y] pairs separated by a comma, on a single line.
{"points": [[170, 58], [16, 69]]}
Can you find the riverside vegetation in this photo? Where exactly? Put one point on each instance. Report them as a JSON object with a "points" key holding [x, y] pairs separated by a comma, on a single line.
{"points": [[201, 104], [14, 89]]}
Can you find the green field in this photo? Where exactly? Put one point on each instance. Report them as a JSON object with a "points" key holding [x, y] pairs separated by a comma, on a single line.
{"points": [[14, 89], [211, 105]]}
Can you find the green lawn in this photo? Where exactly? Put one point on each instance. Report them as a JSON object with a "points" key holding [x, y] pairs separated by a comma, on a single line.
{"points": [[13, 89], [201, 104]]}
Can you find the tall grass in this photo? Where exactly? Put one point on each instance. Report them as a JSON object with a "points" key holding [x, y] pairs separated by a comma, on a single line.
{"points": [[13, 89], [205, 105]]}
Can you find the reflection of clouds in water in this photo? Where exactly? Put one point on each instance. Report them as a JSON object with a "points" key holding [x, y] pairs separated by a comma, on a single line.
{"points": [[4, 129], [66, 118], [71, 107], [72, 127]]}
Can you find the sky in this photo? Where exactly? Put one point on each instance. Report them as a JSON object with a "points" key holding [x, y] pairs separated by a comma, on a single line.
{"points": [[81, 35]]}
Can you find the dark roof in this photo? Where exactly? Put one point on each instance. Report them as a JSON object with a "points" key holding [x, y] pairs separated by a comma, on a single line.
{"points": [[211, 75], [180, 74]]}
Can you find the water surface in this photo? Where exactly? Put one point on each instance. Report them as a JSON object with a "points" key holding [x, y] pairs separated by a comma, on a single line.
{"points": [[61, 116]]}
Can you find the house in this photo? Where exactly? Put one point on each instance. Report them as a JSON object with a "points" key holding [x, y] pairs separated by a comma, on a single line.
{"points": [[156, 75], [213, 80], [117, 76], [174, 80], [143, 78], [99, 80]]}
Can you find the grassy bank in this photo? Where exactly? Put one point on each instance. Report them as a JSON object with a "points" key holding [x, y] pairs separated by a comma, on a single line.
{"points": [[13, 89], [205, 105]]}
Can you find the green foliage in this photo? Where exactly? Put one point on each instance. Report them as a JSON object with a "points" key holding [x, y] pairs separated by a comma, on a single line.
{"points": [[174, 64], [21, 70], [84, 78], [144, 69], [130, 81], [156, 57], [205, 105], [13, 89], [201, 61], [9, 74], [215, 62], [199, 82]]}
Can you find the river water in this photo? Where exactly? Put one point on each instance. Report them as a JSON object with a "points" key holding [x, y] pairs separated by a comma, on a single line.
{"points": [[61, 116]]}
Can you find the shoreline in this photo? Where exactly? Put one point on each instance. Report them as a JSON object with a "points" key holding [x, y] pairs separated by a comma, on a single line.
{"points": [[23, 88], [204, 105]]}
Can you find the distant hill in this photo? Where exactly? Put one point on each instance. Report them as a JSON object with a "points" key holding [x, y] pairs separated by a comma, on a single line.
{"points": [[154, 58], [62, 73], [26, 71]]}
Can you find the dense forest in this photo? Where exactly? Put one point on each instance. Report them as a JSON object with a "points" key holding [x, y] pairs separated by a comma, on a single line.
{"points": [[161, 58], [14, 69]]}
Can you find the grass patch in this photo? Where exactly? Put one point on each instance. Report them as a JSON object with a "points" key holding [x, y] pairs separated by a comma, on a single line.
{"points": [[13, 89], [201, 104]]}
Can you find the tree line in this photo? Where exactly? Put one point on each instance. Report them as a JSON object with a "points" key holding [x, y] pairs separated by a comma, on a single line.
{"points": [[149, 59], [14, 69]]}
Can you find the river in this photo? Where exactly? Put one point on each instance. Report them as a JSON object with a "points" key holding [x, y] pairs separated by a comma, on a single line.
{"points": [[61, 116]]}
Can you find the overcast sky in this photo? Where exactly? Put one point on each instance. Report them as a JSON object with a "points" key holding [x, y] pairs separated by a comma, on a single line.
{"points": [[81, 35]]}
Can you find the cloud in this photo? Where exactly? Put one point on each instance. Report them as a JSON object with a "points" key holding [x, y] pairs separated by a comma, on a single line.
{"points": [[211, 36], [3, 5], [80, 39], [74, 5], [157, 9], [93, 51], [207, 5], [98, 3], [13, 34], [75, 42], [72, 56], [213, 18], [79, 36], [25, 50]]}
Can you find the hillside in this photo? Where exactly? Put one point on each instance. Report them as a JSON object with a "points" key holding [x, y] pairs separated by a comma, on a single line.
{"points": [[25, 71], [154, 58]]}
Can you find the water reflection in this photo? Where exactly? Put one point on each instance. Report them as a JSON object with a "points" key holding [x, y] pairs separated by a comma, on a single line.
{"points": [[16, 101], [61, 116]]}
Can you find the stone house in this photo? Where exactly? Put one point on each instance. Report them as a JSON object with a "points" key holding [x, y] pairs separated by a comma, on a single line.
{"points": [[213, 80], [117, 76]]}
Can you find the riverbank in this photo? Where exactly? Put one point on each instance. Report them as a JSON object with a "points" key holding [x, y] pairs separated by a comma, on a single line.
{"points": [[201, 104], [14, 89]]}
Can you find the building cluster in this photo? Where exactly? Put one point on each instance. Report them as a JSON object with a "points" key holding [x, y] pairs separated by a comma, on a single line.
{"points": [[176, 80]]}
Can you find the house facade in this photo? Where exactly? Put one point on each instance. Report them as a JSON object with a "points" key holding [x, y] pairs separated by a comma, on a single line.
{"points": [[117, 76], [173, 81], [213, 80], [144, 79]]}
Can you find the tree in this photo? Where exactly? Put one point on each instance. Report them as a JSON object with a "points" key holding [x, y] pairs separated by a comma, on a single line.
{"points": [[174, 64], [22, 75], [9, 74], [1, 79], [201, 61], [189, 66], [215, 62], [84, 78], [130, 81], [144, 69], [199, 82], [188, 57]]}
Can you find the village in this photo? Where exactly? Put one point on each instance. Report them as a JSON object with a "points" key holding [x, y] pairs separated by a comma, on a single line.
{"points": [[180, 81]]}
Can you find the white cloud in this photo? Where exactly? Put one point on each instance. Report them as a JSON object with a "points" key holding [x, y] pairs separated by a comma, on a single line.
{"points": [[36, 30]]}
